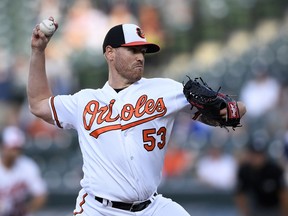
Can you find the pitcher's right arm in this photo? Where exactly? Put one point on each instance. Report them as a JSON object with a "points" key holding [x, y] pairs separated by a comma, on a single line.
{"points": [[38, 89]]}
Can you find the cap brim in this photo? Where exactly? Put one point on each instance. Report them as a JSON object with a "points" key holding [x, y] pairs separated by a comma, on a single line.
{"points": [[151, 48]]}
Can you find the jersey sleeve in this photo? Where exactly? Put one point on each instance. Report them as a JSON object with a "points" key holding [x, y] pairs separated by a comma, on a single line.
{"points": [[63, 109]]}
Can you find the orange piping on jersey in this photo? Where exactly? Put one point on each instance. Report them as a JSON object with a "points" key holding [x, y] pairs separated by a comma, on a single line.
{"points": [[105, 129], [81, 204], [55, 113]]}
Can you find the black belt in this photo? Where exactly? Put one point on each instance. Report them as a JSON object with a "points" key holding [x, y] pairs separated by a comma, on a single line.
{"points": [[133, 207]]}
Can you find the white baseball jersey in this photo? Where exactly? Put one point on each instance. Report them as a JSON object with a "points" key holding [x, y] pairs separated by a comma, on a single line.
{"points": [[123, 136], [18, 183]]}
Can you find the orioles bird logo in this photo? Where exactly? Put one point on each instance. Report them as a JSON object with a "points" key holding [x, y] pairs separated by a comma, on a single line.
{"points": [[140, 33]]}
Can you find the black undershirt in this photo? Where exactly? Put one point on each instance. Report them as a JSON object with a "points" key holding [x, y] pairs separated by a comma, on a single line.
{"points": [[118, 90]]}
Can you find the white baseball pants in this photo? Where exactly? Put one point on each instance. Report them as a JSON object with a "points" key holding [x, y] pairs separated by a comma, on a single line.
{"points": [[86, 205]]}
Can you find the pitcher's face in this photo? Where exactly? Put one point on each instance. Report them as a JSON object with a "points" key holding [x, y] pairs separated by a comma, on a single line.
{"points": [[129, 62]]}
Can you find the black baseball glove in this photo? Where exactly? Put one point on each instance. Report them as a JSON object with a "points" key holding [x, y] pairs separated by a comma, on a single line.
{"points": [[209, 103]]}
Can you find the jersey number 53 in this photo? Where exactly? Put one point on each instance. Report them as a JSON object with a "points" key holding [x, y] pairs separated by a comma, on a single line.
{"points": [[150, 138]]}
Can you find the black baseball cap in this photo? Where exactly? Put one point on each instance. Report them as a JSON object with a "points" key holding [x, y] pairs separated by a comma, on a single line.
{"points": [[126, 35]]}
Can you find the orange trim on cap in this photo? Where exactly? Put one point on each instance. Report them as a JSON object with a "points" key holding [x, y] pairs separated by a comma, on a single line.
{"points": [[151, 46], [138, 43], [55, 113]]}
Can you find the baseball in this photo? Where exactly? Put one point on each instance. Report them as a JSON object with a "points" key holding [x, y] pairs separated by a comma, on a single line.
{"points": [[47, 27]]}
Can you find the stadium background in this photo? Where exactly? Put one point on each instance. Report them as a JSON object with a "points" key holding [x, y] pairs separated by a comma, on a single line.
{"points": [[227, 42]]}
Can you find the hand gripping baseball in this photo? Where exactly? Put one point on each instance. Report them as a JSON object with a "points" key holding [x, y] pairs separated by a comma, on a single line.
{"points": [[42, 33], [209, 103], [48, 27]]}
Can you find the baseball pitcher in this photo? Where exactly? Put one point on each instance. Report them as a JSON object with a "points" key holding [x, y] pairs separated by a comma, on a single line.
{"points": [[123, 127]]}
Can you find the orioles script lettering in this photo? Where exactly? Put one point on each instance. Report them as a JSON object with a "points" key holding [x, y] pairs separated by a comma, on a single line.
{"points": [[95, 114]]}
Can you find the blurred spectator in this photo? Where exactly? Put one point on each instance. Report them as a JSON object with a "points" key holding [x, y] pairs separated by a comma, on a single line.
{"points": [[49, 8], [261, 189], [85, 26], [149, 19], [6, 78], [217, 169], [19, 71], [178, 161], [178, 15], [119, 14], [260, 94], [56, 61], [22, 190]]}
